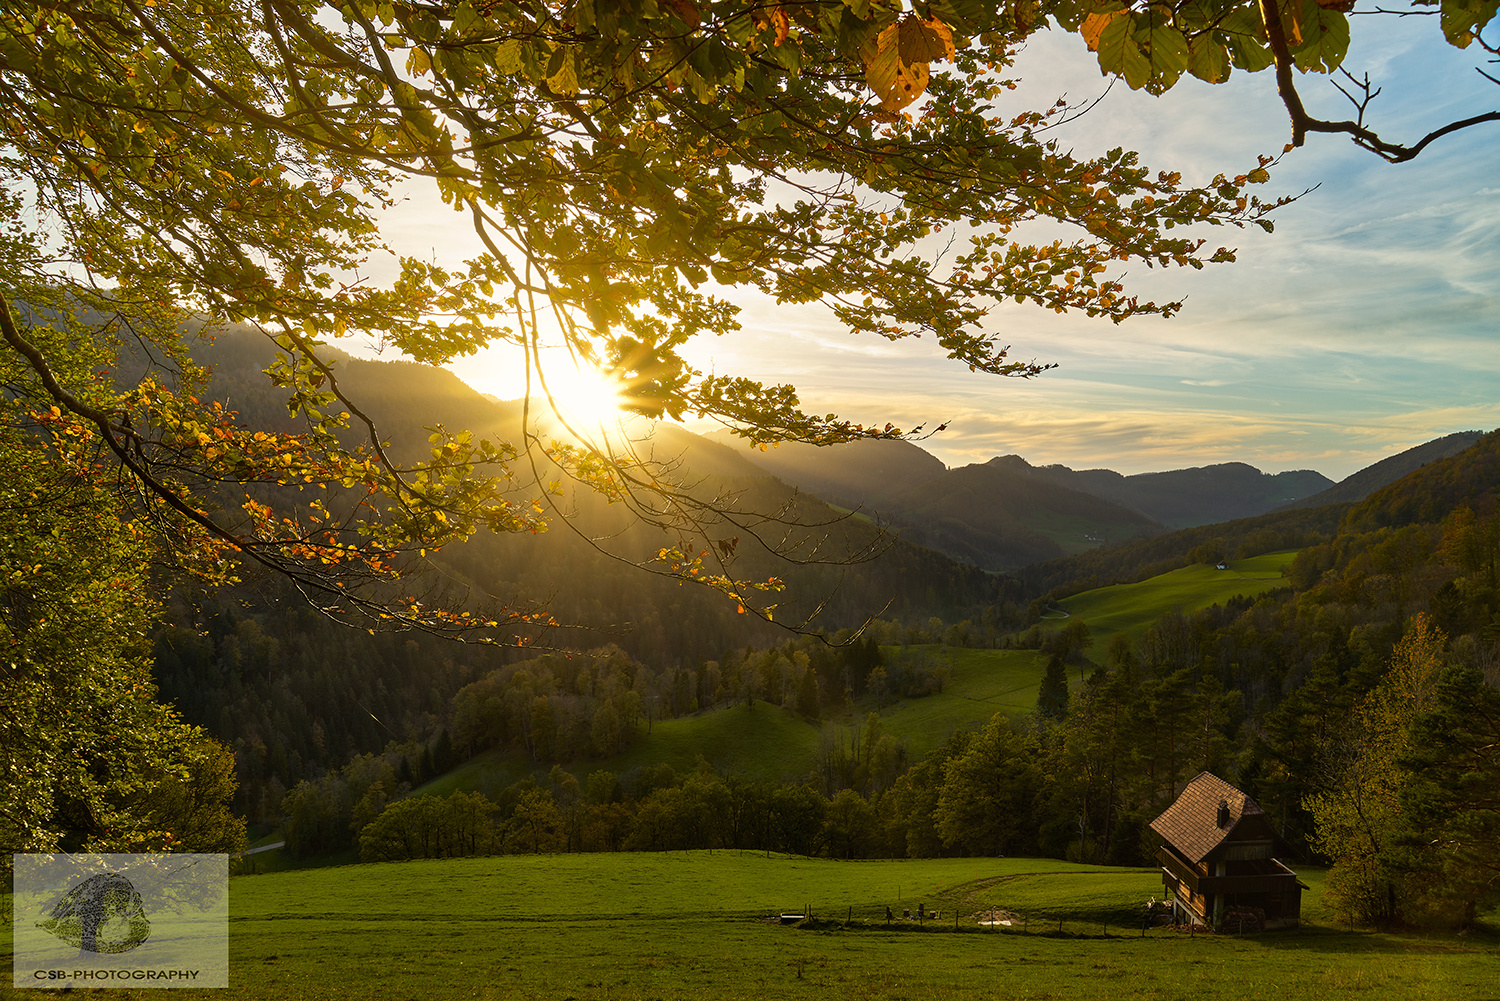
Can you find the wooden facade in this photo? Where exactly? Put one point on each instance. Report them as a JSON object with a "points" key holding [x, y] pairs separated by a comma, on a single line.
{"points": [[1218, 860]]}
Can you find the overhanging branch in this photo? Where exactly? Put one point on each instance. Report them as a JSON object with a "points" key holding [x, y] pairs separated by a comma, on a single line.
{"points": [[1303, 123]]}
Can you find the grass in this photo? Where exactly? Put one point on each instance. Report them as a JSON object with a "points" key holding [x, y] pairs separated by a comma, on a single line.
{"points": [[1131, 608], [689, 925], [759, 742], [983, 683]]}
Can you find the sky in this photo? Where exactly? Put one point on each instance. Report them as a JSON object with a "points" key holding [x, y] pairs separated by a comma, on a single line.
{"points": [[1368, 322]]}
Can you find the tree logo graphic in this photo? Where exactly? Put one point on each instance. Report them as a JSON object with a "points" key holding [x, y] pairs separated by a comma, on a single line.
{"points": [[103, 914]]}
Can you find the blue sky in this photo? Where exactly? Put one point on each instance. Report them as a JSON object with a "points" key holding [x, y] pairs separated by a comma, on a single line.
{"points": [[1367, 323]]}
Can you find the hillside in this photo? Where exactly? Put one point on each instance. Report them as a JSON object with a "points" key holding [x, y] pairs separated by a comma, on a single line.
{"points": [[765, 742], [1358, 486], [1141, 558], [857, 474], [1131, 608], [1466, 479]]}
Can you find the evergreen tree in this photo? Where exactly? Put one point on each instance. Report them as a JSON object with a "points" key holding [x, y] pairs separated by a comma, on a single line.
{"points": [[1052, 696]]}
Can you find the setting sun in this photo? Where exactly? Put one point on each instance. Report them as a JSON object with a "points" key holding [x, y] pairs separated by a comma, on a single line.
{"points": [[583, 397]]}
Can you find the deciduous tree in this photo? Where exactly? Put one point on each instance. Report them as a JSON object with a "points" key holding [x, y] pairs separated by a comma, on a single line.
{"points": [[1361, 824], [621, 163]]}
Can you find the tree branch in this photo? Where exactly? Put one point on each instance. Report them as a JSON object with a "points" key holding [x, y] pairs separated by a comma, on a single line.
{"points": [[1303, 123]]}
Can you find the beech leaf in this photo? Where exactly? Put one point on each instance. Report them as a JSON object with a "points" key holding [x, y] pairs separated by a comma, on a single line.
{"points": [[920, 41], [894, 82]]}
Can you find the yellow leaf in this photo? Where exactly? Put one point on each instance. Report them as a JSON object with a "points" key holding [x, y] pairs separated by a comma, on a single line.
{"points": [[1093, 26], [920, 41], [894, 82], [418, 62], [1291, 20], [565, 80]]}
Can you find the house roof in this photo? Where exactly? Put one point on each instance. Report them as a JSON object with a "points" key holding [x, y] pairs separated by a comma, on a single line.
{"points": [[1191, 824]]}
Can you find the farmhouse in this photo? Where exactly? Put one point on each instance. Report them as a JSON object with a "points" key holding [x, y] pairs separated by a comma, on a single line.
{"points": [[1217, 860]]}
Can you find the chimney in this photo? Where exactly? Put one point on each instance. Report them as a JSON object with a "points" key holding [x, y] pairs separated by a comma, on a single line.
{"points": [[1223, 814]]}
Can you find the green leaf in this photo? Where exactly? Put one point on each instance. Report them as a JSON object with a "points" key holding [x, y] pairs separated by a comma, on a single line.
{"points": [[1245, 37], [1325, 39], [1169, 52], [508, 57], [465, 18], [1119, 54], [1208, 59], [583, 15], [1463, 19]]}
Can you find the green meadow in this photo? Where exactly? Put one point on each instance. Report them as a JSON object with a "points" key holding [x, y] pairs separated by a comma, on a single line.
{"points": [[692, 925], [982, 683], [1130, 608]]}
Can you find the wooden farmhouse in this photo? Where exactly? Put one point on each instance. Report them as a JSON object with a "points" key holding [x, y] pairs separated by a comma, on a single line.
{"points": [[1217, 860]]}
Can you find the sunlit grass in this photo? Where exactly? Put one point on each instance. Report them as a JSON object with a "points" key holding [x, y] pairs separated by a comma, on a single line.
{"points": [[1131, 608]]}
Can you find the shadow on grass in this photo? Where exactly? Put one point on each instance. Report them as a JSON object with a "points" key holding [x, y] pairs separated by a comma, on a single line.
{"points": [[1319, 939]]}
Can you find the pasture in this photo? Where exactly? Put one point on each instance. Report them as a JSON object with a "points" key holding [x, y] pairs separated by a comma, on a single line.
{"points": [[1131, 608], [690, 925]]}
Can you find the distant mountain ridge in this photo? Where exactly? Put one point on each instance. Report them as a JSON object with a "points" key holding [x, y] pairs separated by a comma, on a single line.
{"points": [[1000, 517], [1202, 495], [1006, 513]]}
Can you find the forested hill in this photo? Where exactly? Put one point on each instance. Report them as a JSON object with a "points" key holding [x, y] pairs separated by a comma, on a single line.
{"points": [[1358, 486], [1469, 479], [998, 515], [1142, 558], [1428, 495]]}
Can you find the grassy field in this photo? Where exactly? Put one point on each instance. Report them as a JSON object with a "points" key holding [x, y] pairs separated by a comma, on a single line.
{"points": [[983, 683], [1130, 608], [691, 925]]}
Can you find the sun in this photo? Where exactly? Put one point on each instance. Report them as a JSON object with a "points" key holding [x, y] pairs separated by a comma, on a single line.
{"points": [[585, 398]]}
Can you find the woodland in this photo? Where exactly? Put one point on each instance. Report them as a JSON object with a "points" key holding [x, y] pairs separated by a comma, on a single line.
{"points": [[217, 607]]}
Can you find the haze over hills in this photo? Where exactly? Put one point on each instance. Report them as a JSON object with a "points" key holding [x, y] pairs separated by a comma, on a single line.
{"points": [[777, 532], [857, 474]]}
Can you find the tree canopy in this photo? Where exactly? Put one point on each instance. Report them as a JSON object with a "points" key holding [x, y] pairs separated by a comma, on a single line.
{"points": [[623, 165]]}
